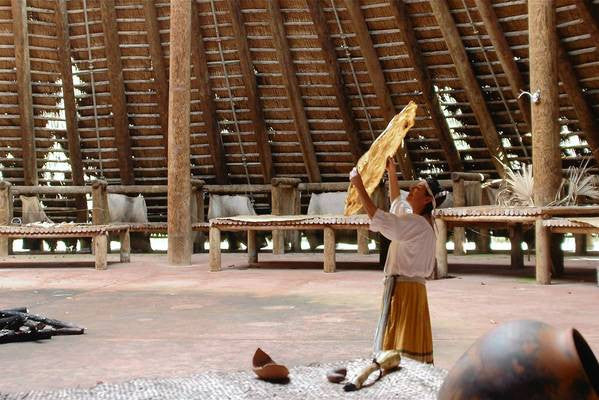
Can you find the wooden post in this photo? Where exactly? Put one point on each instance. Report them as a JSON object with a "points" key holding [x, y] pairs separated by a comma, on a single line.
{"points": [[363, 240], [252, 247], [70, 106], [284, 198], [543, 252], [25, 98], [441, 248], [483, 244], [179, 179], [117, 92], [459, 200], [546, 154], [125, 240], [214, 252], [517, 256], [99, 203], [100, 244], [5, 215], [581, 244], [557, 254], [200, 237], [329, 250]]}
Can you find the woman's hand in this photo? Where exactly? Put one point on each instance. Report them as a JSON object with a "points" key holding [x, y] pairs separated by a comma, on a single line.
{"points": [[354, 177], [391, 169]]}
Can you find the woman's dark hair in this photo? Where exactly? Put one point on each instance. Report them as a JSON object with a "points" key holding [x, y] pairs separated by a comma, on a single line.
{"points": [[437, 190]]}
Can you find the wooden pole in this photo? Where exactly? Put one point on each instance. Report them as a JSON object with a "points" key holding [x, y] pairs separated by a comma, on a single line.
{"points": [[100, 246], [117, 91], [329, 250], [179, 179], [546, 159], [252, 247], [23, 72], [70, 106], [251, 89], [293, 91], [517, 257], [429, 97], [476, 99], [99, 203], [459, 200], [158, 67], [505, 55], [284, 197], [5, 214], [214, 252], [441, 249]]}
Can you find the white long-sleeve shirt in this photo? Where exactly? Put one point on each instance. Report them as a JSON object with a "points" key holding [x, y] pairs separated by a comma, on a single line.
{"points": [[412, 248]]}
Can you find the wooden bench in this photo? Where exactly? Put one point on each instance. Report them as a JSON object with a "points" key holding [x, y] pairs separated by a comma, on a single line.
{"points": [[98, 233], [512, 218], [254, 223]]}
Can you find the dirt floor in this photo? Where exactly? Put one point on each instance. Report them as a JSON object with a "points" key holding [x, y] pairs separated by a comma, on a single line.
{"points": [[149, 319]]}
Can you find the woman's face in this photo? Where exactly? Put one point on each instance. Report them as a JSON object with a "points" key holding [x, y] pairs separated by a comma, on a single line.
{"points": [[419, 196]]}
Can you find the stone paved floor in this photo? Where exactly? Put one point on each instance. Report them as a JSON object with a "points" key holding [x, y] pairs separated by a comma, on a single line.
{"points": [[147, 319]]}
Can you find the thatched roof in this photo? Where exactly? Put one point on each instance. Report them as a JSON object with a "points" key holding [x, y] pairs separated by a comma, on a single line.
{"points": [[229, 90]]}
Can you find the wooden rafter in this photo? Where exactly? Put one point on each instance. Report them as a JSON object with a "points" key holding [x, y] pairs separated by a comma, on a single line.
{"points": [[70, 106], [506, 56], [117, 90], [375, 71], [584, 112], [590, 16], [466, 74], [429, 96], [293, 91], [158, 67], [251, 87], [330, 58], [23, 71], [203, 85]]}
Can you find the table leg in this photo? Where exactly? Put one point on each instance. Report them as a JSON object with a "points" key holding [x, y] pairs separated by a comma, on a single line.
{"points": [[100, 245], [543, 253], [517, 256], [329, 250], [441, 249], [362, 241], [4, 242], [125, 240], [252, 247], [214, 252], [278, 242]]}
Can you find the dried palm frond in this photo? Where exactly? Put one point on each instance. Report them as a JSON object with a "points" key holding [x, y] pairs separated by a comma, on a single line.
{"points": [[579, 183], [517, 187]]}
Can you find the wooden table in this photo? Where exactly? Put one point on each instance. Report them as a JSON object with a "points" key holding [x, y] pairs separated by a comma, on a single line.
{"points": [[513, 218], [255, 223], [98, 233]]}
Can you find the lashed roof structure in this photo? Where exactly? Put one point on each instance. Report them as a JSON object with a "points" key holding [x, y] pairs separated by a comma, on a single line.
{"points": [[288, 88]]}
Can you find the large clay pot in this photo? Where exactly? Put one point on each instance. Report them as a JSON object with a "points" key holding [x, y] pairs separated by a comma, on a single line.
{"points": [[525, 360]]}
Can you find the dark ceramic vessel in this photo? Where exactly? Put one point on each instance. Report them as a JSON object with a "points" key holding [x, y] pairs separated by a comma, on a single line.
{"points": [[526, 360]]}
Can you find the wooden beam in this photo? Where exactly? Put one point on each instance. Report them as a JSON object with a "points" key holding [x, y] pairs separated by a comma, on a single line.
{"points": [[70, 105], [431, 100], [293, 91], [375, 71], [466, 74], [23, 71], [546, 152], [584, 112], [158, 67], [505, 55], [117, 90], [251, 89], [332, 65], [590, 16], [179, 178], [203, 85]]}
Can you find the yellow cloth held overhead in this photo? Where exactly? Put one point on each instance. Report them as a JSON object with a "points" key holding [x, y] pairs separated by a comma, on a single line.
{"points": [[371, 165]]}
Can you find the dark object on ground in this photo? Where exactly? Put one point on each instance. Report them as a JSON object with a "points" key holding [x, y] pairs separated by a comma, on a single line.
{"points": [[525, 360], [267, 369], [17, 325], [337, 375]]}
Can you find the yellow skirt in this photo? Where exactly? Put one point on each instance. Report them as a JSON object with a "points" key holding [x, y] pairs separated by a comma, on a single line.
{"points": [[409, 326]]}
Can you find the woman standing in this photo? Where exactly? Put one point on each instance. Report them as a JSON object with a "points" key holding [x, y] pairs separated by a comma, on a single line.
{"points": [[405, 321]]}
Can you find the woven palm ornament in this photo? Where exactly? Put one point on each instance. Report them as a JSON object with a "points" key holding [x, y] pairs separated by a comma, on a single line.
{"points": [[371, 165]]}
